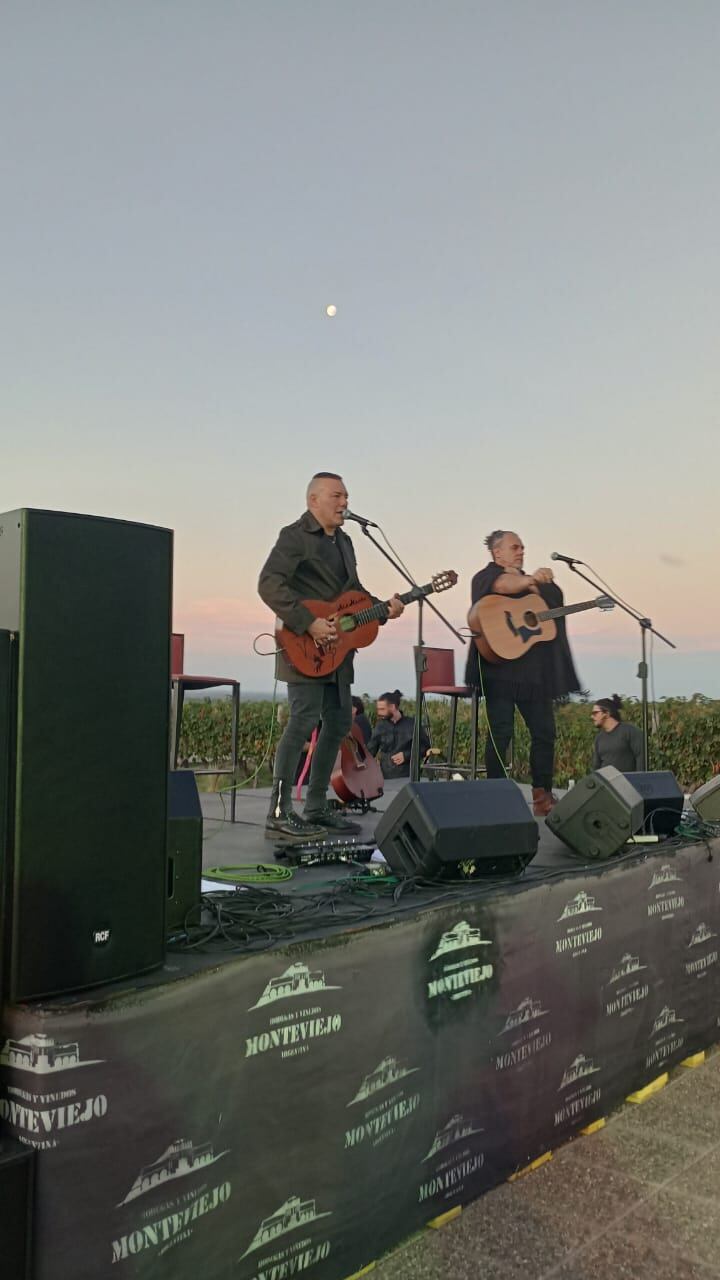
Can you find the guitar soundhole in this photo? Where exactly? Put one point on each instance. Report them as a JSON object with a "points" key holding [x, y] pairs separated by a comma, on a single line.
{"points": [[530, 619]]}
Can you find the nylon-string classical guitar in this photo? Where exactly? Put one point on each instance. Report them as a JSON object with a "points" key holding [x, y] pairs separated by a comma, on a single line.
{"points": [[505, 627], [357, 620]]}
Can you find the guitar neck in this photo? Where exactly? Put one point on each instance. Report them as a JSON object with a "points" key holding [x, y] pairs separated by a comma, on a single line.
{"points": [[566, 609], [378, 612]]}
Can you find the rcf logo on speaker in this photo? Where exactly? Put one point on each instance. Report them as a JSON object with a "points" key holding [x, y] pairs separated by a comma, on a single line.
{"points": [[101, 937]]}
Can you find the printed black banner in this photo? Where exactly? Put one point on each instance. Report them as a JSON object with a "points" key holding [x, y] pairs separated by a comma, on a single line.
{"points": [[298, 1112]]}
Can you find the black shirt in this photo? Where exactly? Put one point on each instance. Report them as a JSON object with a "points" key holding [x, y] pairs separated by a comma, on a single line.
{"points": [[391, 737], [363, 725], [546, 669]]}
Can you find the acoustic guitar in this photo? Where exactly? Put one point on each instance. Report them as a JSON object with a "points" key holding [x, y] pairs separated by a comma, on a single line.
{"points": [[357, 775], [506, 627], [357, 620]]}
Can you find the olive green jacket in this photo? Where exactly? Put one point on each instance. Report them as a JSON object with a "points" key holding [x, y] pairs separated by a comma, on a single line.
{"points": [[298, 570]]}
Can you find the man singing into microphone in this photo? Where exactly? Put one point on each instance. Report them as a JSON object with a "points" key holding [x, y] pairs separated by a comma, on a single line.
{"points": [[313, 559], [531, 682]]}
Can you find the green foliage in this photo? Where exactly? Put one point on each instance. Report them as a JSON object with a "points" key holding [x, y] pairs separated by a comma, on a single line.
{"points": [[685, 736]]}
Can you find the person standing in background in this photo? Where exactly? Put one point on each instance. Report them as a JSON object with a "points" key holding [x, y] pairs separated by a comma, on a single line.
{"points": [[616, 743]]}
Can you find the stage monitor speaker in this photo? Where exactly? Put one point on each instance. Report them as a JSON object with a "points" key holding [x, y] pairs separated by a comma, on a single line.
{"points": [[185, 838], [17, 1164], [598, 815], [706, 800], [663, 801], [458, 829], [88, 601]]}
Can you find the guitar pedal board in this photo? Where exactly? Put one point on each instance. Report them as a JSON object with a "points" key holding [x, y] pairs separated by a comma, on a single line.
{"points": [[324, 853]]}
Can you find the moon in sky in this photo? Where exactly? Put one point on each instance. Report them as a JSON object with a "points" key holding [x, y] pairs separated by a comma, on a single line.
{"points": [[331, 310]]}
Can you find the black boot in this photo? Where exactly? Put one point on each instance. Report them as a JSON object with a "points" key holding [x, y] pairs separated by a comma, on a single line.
{"points": [[332, 821], [290, 826], [283, 823]]}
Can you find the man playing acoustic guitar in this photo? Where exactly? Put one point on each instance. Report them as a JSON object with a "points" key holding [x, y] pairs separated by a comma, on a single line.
{"points": [[529, 682], [313, 559]]}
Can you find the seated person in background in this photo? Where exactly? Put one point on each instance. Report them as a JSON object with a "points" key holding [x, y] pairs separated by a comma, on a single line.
{"points": [[392, 738], [616, 743], [360, 719]]}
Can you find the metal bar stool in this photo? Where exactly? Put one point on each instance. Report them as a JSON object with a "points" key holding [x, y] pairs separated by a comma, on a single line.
{"points": [[180, 682]]}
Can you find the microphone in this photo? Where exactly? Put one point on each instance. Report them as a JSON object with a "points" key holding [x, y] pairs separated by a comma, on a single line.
{"points": [[350, 515], [555, 555]]}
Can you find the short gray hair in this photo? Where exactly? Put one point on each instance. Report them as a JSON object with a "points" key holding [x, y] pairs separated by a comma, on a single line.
{"points": [[320, 475], [494, 538]]}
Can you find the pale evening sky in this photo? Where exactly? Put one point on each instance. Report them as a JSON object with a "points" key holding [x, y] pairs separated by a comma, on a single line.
{"points": [[513, 205]]}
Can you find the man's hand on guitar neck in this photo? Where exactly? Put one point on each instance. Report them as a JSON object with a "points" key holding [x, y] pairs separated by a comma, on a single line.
{"points": [[395, 607]]}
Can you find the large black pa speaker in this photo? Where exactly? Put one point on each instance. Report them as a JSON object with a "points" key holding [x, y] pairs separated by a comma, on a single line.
{"points": [[17, 1164], [598, 815], [184, 847], [88, 603], [663, 800], [458, 829], [6, 737]]}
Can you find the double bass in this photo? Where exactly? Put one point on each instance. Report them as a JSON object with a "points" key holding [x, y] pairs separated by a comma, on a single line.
{"points": [[357, 776]]}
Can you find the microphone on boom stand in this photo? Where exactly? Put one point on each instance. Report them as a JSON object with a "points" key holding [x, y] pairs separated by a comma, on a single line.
{"points": [[370, 524], [557, 555]]}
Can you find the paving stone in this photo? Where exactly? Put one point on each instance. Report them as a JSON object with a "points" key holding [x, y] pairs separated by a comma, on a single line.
{"points": [[639, 1199]]}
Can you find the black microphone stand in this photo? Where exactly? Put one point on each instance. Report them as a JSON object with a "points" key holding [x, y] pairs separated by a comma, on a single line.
{"points": [[419, 655], [645, 625]]}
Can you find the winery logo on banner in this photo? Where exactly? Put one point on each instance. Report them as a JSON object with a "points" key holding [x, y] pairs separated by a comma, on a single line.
{"points": [[41, 1119], [459, 971], [699, 964], [43, 1055], [526, 1036], [668, 898], [457, 1129], [293, 1031], [626, 988], [287, 1256], [457, 1155], [580, 1091], [382, 1115], [171, 1221], [180, 1159], [666, 1038], [582, 929]]}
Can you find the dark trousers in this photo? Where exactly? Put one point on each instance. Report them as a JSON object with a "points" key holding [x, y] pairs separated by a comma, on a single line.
{"points": [[539, 717], [308, 704]]}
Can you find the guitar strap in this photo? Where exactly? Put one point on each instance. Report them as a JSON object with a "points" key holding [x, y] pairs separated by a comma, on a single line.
{"points": [[306, 766]]}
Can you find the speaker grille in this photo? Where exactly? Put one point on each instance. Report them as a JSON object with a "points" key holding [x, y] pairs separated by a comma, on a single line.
{"points": [[434, 829]]}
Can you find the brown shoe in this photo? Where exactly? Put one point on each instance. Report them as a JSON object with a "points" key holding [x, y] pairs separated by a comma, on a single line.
{"points": [[543, 802]]}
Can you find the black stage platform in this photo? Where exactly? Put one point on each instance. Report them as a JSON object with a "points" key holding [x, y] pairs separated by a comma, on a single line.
{"points": [[298, 1109]]}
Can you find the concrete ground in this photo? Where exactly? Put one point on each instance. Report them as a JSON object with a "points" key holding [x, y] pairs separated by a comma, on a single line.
{"points": [[640, 1198]]}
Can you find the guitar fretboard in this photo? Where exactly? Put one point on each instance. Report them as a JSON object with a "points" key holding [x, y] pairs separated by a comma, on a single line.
{"points": [[561, 612]]}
